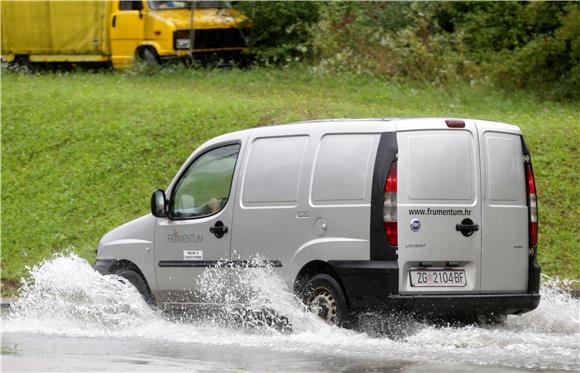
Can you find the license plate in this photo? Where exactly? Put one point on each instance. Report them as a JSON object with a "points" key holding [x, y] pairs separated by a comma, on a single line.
{"points": [[438, 278]]}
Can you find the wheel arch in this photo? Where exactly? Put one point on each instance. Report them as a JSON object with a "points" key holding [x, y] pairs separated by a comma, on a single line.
{"points": [[148, 45], [127, 264], [314, 268]]}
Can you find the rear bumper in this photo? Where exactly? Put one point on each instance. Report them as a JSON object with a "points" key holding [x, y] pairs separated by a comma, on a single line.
{"points": [[465, 305], [373, 285]]}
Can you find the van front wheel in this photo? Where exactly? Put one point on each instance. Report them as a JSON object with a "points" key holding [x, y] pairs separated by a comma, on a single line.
{"points": [[323, 296], [136, 280]]}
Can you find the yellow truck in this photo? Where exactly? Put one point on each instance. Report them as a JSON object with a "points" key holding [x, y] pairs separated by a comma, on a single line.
{"points": [[118, 31]]}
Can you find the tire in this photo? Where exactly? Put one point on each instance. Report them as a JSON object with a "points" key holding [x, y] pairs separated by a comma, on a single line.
{"points": [[323, 296], [136, 280], [149, 56], [22, 63]]}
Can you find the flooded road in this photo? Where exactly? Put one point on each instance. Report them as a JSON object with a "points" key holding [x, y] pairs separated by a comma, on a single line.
{"points": [[70, 318], [27, 352]]}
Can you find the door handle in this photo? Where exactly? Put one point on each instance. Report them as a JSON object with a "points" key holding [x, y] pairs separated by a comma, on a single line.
{"points": [[219, 229], [467, 227], [114, 20]]}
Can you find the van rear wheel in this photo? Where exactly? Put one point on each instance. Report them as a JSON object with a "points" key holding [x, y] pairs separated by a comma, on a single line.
{"points": [[324, 297]]}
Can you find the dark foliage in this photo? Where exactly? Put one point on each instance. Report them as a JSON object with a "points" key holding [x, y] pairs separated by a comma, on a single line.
{"points": [[513, 45]]}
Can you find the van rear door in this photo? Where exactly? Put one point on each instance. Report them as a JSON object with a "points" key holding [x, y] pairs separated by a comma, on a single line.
{"points": [[504, 258], [439, 207]]}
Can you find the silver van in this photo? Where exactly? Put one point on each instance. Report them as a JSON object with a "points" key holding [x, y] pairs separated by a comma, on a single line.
{"points": [[434, 216]]}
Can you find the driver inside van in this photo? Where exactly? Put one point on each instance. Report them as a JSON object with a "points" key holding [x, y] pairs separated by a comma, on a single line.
{"points": [[188, 207], [214, 205]]}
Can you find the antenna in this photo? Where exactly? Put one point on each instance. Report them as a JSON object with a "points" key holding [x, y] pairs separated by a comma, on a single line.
{"points": [[192, 30]]}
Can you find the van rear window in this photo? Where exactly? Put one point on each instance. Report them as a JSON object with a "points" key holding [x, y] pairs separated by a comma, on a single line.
{"points": [[441, 165], [504, 168]]}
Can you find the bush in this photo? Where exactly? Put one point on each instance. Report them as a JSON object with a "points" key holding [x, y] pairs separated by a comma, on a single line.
{"points": [[280, 30], [522, 45], [514, 45], [393, 39]]}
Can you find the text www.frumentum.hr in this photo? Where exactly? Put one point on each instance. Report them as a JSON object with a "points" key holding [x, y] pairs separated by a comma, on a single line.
{"points": [[430, 211]]}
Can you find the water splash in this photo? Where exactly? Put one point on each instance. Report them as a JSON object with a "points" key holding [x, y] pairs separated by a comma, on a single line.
{"points": [[558, 312], [254, 296], [66, 297]]}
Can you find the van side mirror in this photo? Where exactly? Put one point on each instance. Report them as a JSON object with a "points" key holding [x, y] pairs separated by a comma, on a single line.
{"points": [[159, 204]]}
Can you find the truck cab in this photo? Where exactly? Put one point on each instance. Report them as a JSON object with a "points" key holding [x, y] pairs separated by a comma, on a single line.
{"points": [[159, 30]]}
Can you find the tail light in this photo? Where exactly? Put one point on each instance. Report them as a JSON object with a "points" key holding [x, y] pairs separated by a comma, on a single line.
{"points": [[532, 206], [390, 206]]}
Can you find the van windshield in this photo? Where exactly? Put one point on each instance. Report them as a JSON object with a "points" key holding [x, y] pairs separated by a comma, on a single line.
{"points": [[169, 4]]}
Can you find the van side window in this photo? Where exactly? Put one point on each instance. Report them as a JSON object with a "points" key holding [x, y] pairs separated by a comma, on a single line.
{"points": [[273, 169], [204, 188], [130, 5], [342, 168]]}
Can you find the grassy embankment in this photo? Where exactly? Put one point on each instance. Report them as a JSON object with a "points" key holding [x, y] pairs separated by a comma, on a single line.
{"points": [[82, 152]]}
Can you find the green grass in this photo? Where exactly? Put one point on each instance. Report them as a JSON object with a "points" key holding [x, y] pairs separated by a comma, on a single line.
{"points": [[82, 152]]}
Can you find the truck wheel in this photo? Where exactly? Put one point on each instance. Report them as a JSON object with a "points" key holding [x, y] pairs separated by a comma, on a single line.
{"points": [[136, 280], [323, 296], [22, 62], [149, 56]]}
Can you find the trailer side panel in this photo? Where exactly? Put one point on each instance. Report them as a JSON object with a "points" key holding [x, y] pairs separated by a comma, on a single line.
{"points": [[55, 27]]}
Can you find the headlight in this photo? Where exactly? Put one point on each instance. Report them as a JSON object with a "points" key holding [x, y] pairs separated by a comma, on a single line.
{"points": [[182, 43]]}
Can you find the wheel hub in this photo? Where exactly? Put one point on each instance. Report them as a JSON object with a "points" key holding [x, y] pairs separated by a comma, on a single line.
{"points": [[323, 304]]}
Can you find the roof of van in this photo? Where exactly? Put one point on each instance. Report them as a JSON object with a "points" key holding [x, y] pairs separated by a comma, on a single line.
{"points": [[410, 121], [331, 120], [358, 125], [389, 119]]}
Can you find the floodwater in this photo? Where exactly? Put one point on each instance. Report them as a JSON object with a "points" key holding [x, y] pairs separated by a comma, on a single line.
{"points": [[70, 318]]}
